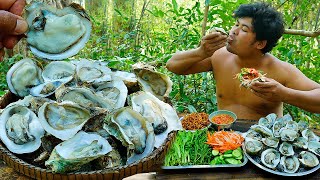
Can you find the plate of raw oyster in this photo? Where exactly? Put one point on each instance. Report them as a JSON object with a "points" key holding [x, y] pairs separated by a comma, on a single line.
{"points": [[282, 146]]}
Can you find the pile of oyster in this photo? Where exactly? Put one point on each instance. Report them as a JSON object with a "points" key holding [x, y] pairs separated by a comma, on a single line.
{"points": [[80, 115], [282, 144]]}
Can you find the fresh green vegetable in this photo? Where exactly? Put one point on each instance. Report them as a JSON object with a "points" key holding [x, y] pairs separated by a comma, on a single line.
{"points": [[215, 152], [229, 157], [189, 148]]}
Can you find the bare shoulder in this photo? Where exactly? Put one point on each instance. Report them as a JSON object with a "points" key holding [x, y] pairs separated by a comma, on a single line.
{"points": [[221, 54]]}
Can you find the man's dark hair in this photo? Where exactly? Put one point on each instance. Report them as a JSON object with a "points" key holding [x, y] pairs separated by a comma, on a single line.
{"points": [[267, 22]]}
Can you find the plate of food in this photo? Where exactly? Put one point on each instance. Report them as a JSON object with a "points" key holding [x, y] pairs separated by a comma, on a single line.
{"points": [[282, 146], [205, 148]]}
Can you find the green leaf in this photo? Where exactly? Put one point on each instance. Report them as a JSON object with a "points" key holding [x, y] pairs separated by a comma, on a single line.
{"points": [[192, 109]]}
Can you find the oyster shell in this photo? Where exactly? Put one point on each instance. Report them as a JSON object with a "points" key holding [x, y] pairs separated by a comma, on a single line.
{"points": [[253, 135], [286, 149], [309, 135], [253, 147], [20, 129], [289, 164], [59, 71], [133, 130], [57, 34], [264, 131], [22, 76], [288, 134], [85, 97], [46, 89], [301, 142], [151, 81], [92, 72], [270, 158], [163, 117], [276, 128], [62, 120], [82, 148], [314, 146], [308, 159], [271, 142]]}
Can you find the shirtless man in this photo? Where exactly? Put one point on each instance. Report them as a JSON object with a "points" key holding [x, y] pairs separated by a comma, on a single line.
{"points": [[256, 31]]}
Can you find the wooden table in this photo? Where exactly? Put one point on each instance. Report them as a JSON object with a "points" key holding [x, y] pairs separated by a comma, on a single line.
{"points": [[248, 171]]}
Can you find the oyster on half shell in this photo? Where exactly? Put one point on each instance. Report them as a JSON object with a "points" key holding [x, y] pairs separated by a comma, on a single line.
{"points": [[56, 34], [20, 129], [22, 76], [82, 148], [151, 81], [63, 120]]}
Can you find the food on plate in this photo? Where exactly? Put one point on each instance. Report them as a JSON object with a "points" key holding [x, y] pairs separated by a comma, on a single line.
{"points": [[195, 121], [249, 75], [224, 140]]}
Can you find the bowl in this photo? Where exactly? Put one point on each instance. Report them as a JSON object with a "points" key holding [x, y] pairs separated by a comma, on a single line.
{"points": [[219, 126]]}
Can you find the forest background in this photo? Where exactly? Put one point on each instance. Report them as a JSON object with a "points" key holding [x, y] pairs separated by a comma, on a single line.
{"points": [[129, 31]]}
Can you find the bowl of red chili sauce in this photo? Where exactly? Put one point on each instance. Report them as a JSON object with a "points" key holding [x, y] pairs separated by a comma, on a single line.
{"points": [[222, 119]]}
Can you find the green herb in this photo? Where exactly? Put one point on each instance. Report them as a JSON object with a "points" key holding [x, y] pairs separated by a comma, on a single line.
{"points": [[189, 148]]}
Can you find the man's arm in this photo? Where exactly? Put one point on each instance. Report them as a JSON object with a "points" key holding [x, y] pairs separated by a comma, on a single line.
{"points": [[299, 91], [197, 60]]}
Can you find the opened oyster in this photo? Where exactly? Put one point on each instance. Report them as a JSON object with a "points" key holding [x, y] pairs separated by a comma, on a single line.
{"points": [[133, 130], [56, 34], [308, 159], [62, 120], [20, 129], [270, 158], [151, 81], [163, 117], [22, 76], [290, 164], [82, 148]]}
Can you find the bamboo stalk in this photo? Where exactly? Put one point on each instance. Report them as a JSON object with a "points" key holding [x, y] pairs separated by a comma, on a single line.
{"points": [[302, 32], [205, 19]]}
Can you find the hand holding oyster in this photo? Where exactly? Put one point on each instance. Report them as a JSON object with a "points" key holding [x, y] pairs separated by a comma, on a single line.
{"points": [[249, 75]]}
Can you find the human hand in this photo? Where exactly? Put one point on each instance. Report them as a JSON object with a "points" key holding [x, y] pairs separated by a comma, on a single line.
{"points": [[12, 25], [212, 42], [270, 89]]}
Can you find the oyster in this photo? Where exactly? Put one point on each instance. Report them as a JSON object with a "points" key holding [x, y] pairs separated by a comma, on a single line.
{"points": [[20, 129], [276, 128], [129, 79], [289, 164], [46, 89], [264, 131], [314, 146], [253, 147], [85, 97], [292, 125], [270, 158], [309, 135], [163, 117], [22, 76], [308, 159], [271, 142], [253, 135], [288, 134], [286, 149], [82, 148], [92, 72], [59, 71], [114, 92], [133, 130], [301, 142], [62, 120], [57, 34], [302, 125], [151, 81]]}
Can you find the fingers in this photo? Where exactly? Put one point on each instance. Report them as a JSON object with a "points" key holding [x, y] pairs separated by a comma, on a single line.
{"points": [[17, 7], [6, 4], [1, 53], [12, 24], [11, 40]]}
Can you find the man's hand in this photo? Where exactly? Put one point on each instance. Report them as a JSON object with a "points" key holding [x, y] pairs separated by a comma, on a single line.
{"points": [[270, 90], [212, 42], [12, 25]]}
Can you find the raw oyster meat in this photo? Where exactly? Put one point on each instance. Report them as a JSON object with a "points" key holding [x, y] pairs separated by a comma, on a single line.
{"points": [[20, 129], [56, 34], [309, 135], [286, 149], [133, 130], [22, 76], [290, 164], [63, 120], [271, 142], [253, 146], [163, 117], [92, 72], [314, 146], [84, 97], [270, 158], [82, 148], [308, 159], [151, 81], [59, 71]]}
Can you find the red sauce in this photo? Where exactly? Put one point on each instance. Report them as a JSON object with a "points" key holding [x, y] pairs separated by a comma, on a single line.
{"points": [[222, 119]]}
